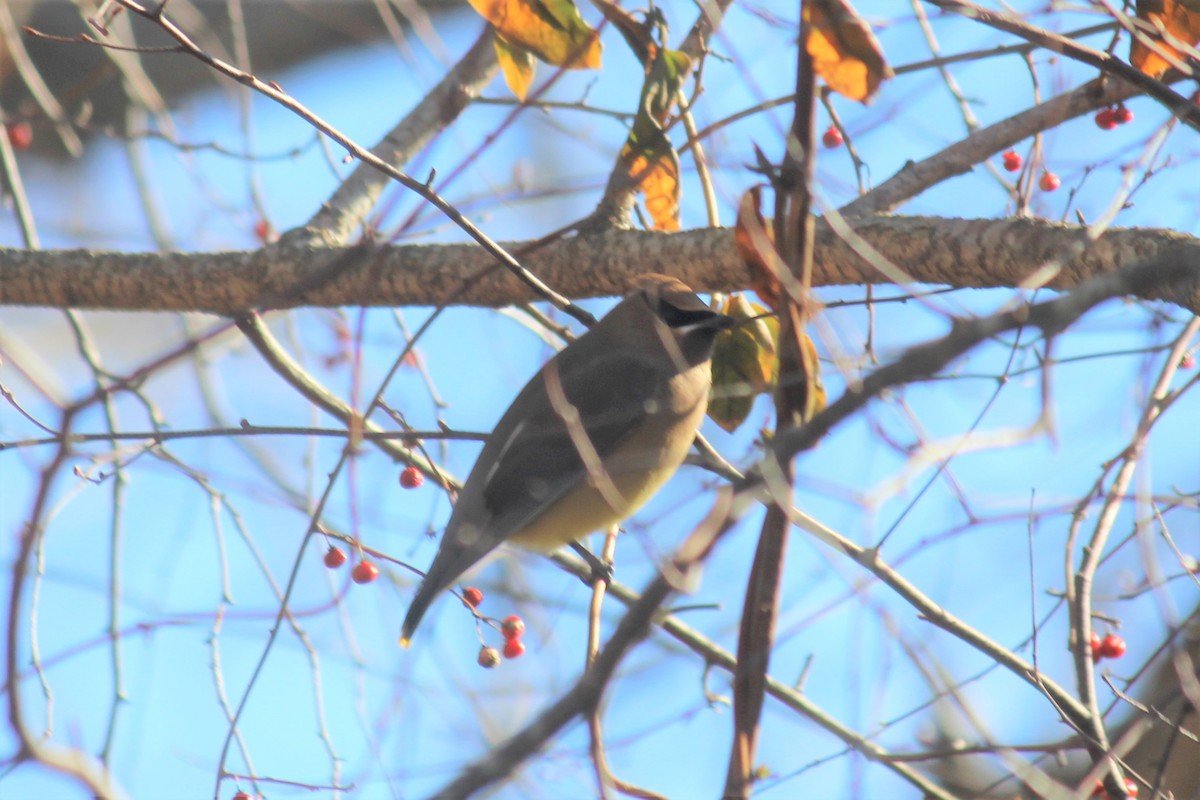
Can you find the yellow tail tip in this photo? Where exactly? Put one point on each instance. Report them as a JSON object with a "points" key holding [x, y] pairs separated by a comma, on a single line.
{"points": [[404, 640]]}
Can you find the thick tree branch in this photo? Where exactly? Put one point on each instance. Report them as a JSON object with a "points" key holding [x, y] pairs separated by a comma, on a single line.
{"points": [[931, 250]]}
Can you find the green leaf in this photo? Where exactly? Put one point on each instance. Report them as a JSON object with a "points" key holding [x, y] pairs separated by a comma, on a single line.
{"points": [[745, 363]]}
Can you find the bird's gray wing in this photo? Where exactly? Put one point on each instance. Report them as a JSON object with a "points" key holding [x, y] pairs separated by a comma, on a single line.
{"points": [[537, 460], [530, 461]]}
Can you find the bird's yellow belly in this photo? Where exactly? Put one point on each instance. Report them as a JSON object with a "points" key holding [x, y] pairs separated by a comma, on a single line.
{"points": [[585, 509], [636, 474]]}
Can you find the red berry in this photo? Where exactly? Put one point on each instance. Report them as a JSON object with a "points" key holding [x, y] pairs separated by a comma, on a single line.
{"points": [[364, 572], [411, 478], [1187, 362], [264, 232], [472, 596], [1049, 182], [1113, 646], [488, 657], [241, 796], [1122, 115], [1106, 119], [513, 648], [513, 627], [1012, 160], [20, 135], [334, 557], [1094, 644], [832, 137]]}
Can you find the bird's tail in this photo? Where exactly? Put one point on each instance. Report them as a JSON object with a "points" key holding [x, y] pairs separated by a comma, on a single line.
{"points": [[426, 594], [452, 560]]}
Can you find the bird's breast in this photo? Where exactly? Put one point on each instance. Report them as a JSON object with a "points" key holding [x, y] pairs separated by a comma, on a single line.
{"points": [[632, 473]]}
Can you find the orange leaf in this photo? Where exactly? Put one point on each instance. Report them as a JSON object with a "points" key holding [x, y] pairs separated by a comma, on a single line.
{"points": [[550, 29], [1179, 22], [656, 170], [648, 157], [755, 242], [517, 63], [844, 51], [800, 387]]}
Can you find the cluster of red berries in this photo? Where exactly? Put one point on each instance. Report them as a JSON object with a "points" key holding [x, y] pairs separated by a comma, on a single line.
{"points": [[512, 628], [1109, 118], [1013, 163], [364, 571], [1111, 646]]}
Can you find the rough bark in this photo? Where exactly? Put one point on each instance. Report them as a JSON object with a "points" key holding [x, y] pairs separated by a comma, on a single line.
{"points": [[929, 250]]}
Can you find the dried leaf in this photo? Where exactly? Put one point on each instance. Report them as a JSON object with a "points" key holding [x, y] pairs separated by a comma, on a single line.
{"points": [[648, 157], [655, 168], [1179, 18], [745, 363], [755, 242], [844, 51], [799, 387], [517, 63], [638, 35], [799, 384], [550, 29]]}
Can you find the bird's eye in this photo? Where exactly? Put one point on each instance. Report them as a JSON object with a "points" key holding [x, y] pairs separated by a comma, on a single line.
{"points": [[684, 311]]}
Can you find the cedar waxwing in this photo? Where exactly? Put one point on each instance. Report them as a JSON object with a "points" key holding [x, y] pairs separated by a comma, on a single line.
{"points": [[596, 432]]}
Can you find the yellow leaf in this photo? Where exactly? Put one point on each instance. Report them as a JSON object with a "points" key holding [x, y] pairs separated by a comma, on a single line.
{"points": [[550, 29], [518, 65], [1179, 18], [844, 51], [744, 363], [648, 157], [656, 171]]}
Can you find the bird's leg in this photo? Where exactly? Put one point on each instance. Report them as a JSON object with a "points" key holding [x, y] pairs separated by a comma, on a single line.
{"points": [[601, 570]]}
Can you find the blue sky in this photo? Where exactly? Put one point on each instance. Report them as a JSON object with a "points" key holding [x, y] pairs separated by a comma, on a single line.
{"points": [[399, 724]]}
